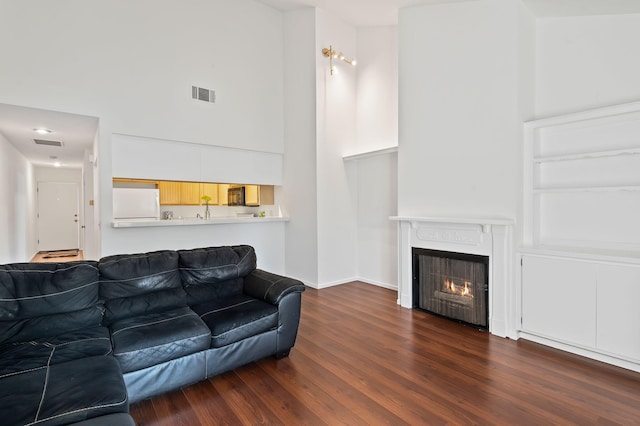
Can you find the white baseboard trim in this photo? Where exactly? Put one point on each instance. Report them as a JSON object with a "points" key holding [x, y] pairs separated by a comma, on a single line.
{"points": [[378, 283], [585, 352], [335, 283], [350, 280]]}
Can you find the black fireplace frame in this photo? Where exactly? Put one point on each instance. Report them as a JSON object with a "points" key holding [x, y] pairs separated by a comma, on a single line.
{"points": [[417, 251]]}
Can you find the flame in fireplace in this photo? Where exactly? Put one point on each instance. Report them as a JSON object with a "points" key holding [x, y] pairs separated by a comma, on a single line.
{"points": [[459, 290]]}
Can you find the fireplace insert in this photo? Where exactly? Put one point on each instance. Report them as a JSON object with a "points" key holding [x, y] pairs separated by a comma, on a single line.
{"points": [[452, 285]]}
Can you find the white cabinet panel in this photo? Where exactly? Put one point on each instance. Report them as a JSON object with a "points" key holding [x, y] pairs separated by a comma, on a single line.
{"points": [[146, 158], [235, 165], [559, 299], [618, 312]]}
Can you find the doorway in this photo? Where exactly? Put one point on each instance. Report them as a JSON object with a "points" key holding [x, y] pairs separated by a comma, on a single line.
{"points": [[58, 216]]}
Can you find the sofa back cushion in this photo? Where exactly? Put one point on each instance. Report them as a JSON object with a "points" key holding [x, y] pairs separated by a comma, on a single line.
{"points": [[138, 284], [47, 299], [215, 272]]}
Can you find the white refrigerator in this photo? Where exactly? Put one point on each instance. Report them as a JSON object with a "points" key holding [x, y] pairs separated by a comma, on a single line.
{"points": [[136, 203]]}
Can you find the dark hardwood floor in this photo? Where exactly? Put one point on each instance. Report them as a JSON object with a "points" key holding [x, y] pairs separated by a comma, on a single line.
{"points": [[361, 359]]}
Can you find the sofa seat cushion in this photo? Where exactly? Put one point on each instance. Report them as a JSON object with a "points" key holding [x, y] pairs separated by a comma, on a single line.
{"points": [[63, 393], [151, 339], [38, 354], [232, 320]]}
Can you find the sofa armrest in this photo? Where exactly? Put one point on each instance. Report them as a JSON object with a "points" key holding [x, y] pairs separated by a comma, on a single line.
{"points": [[270, 287]]}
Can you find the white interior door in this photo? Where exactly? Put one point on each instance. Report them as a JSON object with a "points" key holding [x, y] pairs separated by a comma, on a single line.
{"points": [[58, 216]]}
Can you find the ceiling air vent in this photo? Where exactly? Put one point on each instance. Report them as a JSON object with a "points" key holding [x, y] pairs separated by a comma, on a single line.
{"points": [[203, 94], [47, 143]]}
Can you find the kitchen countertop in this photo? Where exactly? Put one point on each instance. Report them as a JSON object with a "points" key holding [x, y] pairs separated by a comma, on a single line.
{"points": [[139, 223]]}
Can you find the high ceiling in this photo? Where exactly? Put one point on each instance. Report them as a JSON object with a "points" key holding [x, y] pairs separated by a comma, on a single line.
{"points": [[363, 13], [359, 13]]}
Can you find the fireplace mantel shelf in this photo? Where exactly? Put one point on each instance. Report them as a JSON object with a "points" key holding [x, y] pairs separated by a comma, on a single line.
{"points": [[455, 219]]}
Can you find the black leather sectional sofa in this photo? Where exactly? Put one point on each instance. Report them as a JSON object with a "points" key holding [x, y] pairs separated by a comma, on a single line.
{"points": [[80, 341]]}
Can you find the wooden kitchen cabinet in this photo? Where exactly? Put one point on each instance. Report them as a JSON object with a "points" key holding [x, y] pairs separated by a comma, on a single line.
{"points": [[223, 198], [179, 193], [190, 193], [173, 193], [210, 189], [169, 192], [252, 195], [256, 195]]}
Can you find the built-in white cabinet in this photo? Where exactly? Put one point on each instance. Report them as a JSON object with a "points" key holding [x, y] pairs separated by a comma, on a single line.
{"points": [[580, 302], [582, 180], [618, 325], [580, 259], [559, 299]]}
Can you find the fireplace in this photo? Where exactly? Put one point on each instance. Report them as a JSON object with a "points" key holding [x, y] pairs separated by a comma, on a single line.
{"points": [[453, 285], [490, 237]]}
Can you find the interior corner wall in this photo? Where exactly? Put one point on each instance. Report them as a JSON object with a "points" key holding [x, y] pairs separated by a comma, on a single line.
{"points": [[459, 120], [377, 176], [299, 190], [336, 136], [586, 62], [17, 209]]}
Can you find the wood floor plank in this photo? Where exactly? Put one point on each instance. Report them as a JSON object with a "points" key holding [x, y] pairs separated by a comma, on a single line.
{"points": [[362, 359], [288, 408], [303, 385], [145, 412], [243, 401], [175, 407], [210, 407]]}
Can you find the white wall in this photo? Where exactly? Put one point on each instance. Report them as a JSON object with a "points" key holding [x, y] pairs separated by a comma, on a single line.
{"points": [[377, 183], [377, 177], [336, 136], [586, 62], [17, 209], [267, 238], [377, 88], [58, 174], [459, 115], [132, 64], [135, 63], [526, 98], [327, 118], [89, 242], [299, 191]]}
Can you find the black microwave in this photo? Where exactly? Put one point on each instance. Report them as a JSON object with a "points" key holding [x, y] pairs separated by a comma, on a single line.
{"points": [[235, 196]]}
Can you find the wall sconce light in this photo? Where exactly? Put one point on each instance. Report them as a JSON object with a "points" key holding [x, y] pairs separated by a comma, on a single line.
{"points": [[331, 54]]}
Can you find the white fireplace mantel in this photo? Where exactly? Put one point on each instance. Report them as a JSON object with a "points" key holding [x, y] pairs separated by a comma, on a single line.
{"points": [[491, 237]]}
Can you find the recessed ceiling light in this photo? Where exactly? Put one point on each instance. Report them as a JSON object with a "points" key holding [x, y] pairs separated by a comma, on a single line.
{"points": [[57, 164], [42, 131]]}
